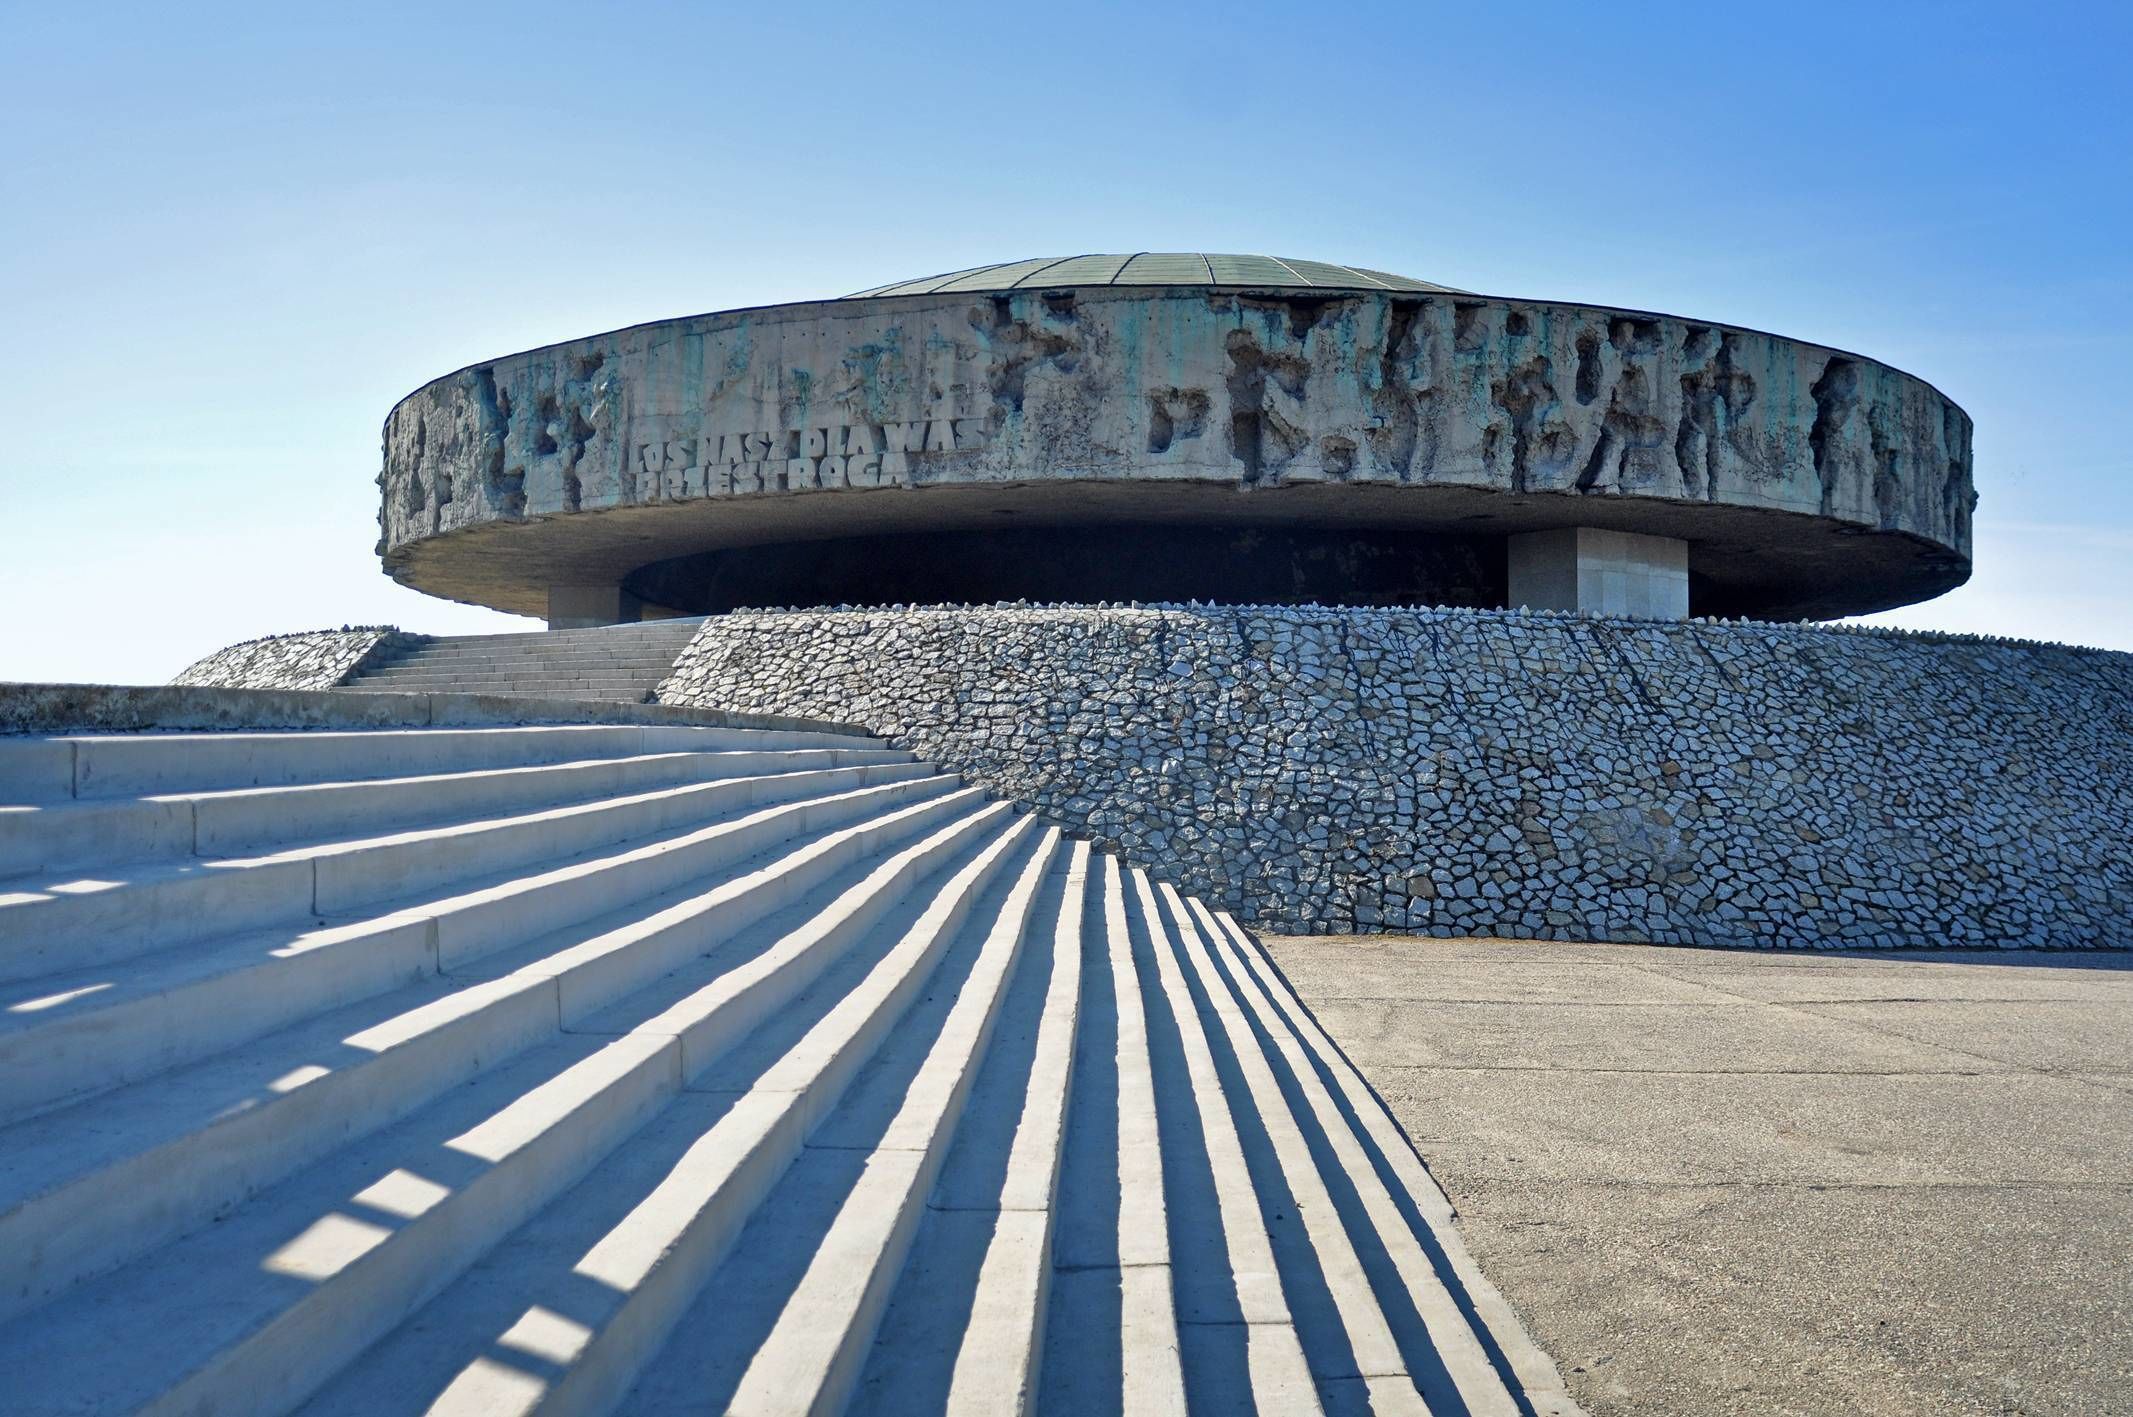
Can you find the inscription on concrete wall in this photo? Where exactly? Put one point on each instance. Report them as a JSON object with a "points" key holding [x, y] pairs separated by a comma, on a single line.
{"points": [[1255, 392], [799, 459]]}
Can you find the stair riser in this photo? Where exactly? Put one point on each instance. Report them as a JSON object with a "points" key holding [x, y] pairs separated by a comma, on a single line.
{"points": [[60, 932], [465, 935], [903, 1192], [307, 1343], [646, 674], [762, 1136], [277, 1366], [653, 658], [679, 629], [348, 881], [36, 770], [142, 829], [153, 764], [598, 983], [707, 1039], [106, 1047], [108, 1217], [154, 1196], [76, 1057], [226, 826], [673, 626], [633, 1334], [64, 833]]}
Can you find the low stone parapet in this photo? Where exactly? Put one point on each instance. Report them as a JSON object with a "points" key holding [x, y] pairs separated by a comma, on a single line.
{"points": [[317, 659]]}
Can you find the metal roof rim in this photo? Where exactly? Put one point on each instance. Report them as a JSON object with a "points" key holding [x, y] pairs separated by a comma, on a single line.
{"points": [[1361, 275], [1024, 282], [933, 287], [937, 281], [1122, 267], [1305, 281]]}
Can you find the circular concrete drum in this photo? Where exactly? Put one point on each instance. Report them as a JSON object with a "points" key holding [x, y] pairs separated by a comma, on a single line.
{"points": [[1172, 427]]}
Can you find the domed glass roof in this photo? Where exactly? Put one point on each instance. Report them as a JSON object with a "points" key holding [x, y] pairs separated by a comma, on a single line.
{"points": [[1157, 268]]}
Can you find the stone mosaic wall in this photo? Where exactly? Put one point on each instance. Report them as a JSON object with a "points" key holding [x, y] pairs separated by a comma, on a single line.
{"points": [[1460, 772], [318, 659]]}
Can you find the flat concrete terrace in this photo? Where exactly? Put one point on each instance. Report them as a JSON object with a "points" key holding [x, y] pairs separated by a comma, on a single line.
{"points": [[1716, 1182]]}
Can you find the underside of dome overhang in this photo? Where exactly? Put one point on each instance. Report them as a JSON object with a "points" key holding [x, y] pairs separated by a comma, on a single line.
{"points": [[1806, 482]]}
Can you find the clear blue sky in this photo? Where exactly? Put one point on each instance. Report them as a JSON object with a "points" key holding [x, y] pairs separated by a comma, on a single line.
{"points": [[230, 238]]}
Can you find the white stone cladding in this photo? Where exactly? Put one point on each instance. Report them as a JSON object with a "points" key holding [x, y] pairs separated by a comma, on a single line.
{"points": [[319, 659], [1457, 772]]}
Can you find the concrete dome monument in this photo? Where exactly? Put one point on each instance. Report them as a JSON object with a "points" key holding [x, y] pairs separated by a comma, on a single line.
{"points": [[1164, 427]]}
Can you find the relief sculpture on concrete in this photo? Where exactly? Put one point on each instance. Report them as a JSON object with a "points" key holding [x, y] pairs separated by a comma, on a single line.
{"points": [[1345, 414]]}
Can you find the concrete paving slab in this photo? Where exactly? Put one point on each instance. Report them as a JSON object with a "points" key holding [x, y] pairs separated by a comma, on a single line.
{"points": [[1483, 980], [1694, 1232], [1802, 1128], [1640, 1037], [1841, 981], [2060, 1035], [1789, 1299]]}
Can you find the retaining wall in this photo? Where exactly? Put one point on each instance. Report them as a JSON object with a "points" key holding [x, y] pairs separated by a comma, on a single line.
{"points": [[317, 659], [1460, 772]]}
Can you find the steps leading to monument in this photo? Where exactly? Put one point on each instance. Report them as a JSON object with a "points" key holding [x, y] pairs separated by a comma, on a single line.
{"points": [[622, 663], [626, 1068]]}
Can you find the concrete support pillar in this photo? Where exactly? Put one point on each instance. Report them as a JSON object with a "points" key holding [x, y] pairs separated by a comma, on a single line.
{"points": [[1606, 572], [577, 607]]}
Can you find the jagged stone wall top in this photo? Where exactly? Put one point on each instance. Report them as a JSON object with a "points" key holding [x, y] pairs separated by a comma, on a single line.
{"points": [[313, 659], [1808, 482]]}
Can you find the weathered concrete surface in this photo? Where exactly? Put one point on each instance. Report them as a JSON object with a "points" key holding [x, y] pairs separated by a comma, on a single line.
{"points": [[130, 708], [1716, 1183], [1617, 573], [1809, 482], [1465, 772]]}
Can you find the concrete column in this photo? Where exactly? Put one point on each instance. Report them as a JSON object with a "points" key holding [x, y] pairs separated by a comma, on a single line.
{"points": [[578, 607], [1606, 572]]}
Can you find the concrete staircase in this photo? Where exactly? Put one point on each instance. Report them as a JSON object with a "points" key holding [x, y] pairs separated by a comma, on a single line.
{"points": [[656, 1068], [618, 663]]}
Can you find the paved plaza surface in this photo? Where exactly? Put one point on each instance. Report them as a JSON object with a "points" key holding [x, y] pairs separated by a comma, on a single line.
{"points": [[1729, 1182]]}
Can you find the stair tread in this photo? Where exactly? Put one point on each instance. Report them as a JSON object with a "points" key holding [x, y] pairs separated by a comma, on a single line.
{"points": [[637, 1067], [303, 1227], [43, 1152]]}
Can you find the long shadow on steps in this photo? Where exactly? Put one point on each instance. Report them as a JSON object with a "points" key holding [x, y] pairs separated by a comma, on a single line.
{"points": [[1083, 1362], [280, 1100], [927, 1326], [304, 1230], [1224, 1311], [518, 1318], [1320, 1326], [1408, 1325], [1212, 1324], [785, 1254]]}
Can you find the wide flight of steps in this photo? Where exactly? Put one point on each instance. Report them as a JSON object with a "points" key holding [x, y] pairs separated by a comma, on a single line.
{"points": [[617, 663], [657, 1069]]}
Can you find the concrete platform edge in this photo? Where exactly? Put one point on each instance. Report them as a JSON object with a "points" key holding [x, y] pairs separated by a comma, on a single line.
{"points": [[132, 708]]}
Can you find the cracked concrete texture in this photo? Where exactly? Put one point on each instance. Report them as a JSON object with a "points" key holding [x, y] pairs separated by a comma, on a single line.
{"points": [[1721, 1183], [1538, 405]]}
